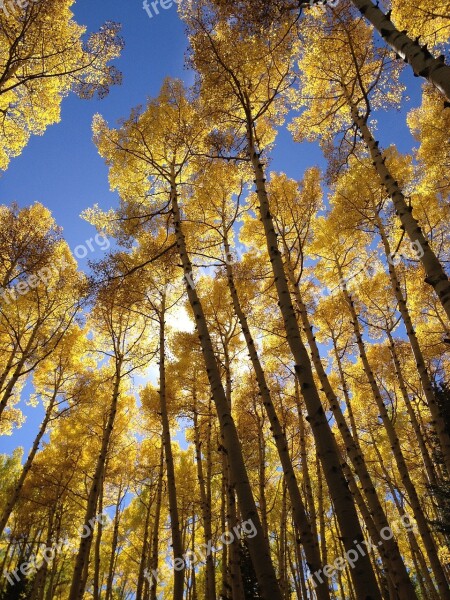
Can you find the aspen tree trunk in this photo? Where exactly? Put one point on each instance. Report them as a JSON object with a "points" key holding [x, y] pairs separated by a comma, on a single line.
{"points": [[258, 546], [307, 538], [374, 534], [14, 496], [398, 455], [308, 490], [421, 60], [436, 275], [389, 550], [415, 550], [77, 586], [237, 588], [362, 574], [226, 585], [321, 512], [282, 545], [144, 551], [112, 555], [262, 477], [96, 583], [37, 592], [210, 588], [428, 464], [438, 422], [177, 545], [154, 556], [302, 576], [294, 575]]}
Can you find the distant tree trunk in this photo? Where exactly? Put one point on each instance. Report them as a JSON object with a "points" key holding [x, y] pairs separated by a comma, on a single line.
{"points": [[177, 544], [363, 574], [304, 527], [113, 554], [428, 463], [258, 545], [398, 454], [389, 549], [96, 580], [237, 588], [422, 570], [154, 555], [438, 421], [78, 581], [210, 587], [145, 548]]}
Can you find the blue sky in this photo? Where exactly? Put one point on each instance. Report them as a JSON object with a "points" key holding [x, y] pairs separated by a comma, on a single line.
{"points": [[62, 168]]}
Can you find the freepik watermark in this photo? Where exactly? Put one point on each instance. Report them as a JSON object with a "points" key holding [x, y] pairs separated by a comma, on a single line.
{"points": [[152, 7], [246, 529], [36, 561], [355, 280], [46, 274], [352, 556]]}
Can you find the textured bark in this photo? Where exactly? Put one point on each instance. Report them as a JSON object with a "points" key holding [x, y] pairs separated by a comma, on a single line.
{"points": [[419, 58], [82, 559], [96, 592], [415, 550], [235, 575], [438, 422], [398, 455], [436, 275], [362, 575], [114, 543], [389, 550], [428, 463], [144, 551], [307, 537], [210, 588], [307, 485], [154, 555], [258, 545], [177, 545]]}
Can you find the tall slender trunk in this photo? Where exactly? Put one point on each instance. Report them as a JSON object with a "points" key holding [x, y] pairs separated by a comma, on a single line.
{"points": [[362, 574], [210, 587], [258, 546], [306, 535], [422, 573], [237, 588], [421, 60], [428, 463], [389, 549], [144, 550], [14, 496], [398, 454], [436, 275], [78, 582], [307, 484], [438, 422], [154, 555], [98, 539], [177, 544], [113, 554]]}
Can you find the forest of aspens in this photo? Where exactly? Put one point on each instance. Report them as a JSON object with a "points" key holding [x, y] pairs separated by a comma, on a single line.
{"points": [[246, 395]]}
